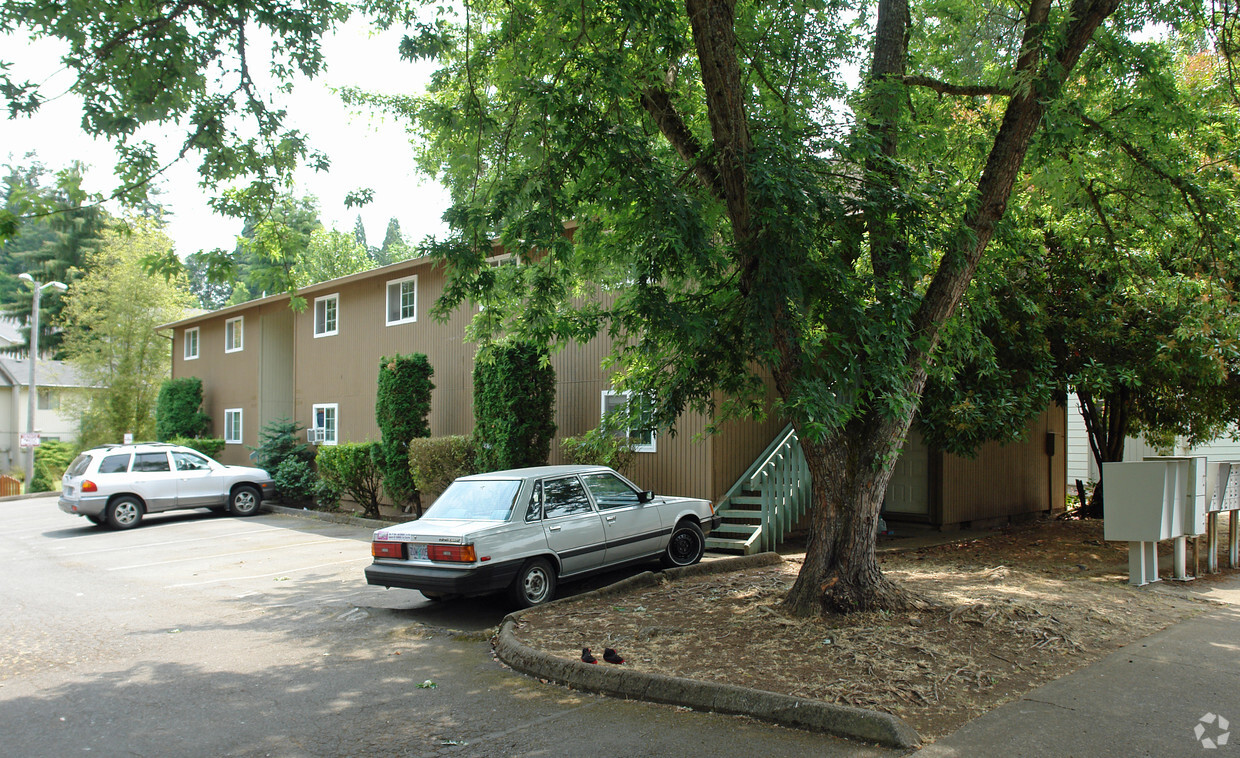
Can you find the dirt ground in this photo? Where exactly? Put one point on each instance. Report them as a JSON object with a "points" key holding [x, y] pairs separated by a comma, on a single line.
{"points": [[1019, 609]]}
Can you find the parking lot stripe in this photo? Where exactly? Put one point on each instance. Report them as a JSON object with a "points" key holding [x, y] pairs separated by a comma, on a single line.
{"points": [[211, 556], [204, 538], [285, 572]]}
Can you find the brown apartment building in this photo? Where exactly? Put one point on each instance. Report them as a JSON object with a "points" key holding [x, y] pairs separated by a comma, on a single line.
{"points": [[262, 361]]}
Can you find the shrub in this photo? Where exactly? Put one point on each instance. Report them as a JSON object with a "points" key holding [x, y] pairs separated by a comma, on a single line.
{"points": [[51, 458], [435, 461], [295, 482], [208, 446], [354, 469], [178, 411], [598, 448], [283, 455], [514, 406], [402, 403]]}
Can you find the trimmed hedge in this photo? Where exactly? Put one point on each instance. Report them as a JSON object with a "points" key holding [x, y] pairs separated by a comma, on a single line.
{"points": [[514, 406], [402, 404], [354, 469], [178, 411], [208, 446], [435, 461]]}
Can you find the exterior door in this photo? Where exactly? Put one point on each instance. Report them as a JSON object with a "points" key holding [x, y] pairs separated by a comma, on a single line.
{"points": [[574, 529], [197, 484], [632, 528], [159, 481]]}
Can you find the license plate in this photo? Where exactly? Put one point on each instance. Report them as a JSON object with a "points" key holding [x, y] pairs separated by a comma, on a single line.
{"points": [[417, 552]]}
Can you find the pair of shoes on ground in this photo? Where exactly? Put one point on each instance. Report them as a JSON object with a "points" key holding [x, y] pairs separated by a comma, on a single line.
{"points": [[609, 655]]}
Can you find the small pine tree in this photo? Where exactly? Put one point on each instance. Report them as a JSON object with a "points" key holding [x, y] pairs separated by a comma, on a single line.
{"points": [[514, 406], [402, 404]]}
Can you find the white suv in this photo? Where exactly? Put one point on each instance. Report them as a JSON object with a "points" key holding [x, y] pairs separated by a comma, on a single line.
{"points": [[118, 484]]}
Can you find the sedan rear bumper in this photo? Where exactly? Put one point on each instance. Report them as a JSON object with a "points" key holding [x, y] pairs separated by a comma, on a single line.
{"points": [[475, 580]]}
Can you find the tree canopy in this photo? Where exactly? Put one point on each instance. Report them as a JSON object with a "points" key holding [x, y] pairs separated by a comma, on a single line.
{"points": [[754, 212]]}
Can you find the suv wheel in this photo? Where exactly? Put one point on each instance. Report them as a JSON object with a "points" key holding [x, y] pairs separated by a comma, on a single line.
{"points": [[244, 501], [124, 512]]}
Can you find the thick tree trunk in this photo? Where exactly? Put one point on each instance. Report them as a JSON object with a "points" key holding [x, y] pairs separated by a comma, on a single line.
{"points": [[1106, 425], [850, 474]]}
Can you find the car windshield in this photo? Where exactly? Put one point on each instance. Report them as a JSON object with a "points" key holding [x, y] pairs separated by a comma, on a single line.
{"points": [[476, 500], [79, 465]]}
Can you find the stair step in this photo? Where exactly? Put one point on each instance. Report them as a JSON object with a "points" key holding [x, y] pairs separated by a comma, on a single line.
{"points": [[743, 515], [754, 499], [725, 545], [730, 529]]}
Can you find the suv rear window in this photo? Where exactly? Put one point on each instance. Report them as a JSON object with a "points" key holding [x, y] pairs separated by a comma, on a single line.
{"points": [[78, 467], [114, 464]]}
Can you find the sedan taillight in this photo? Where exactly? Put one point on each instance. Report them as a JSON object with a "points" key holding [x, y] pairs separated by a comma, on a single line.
{"points": [[388, 550], [452, 553], [89, 486]]}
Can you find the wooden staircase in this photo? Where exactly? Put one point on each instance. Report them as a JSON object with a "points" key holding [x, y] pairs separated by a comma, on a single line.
{"points": [[766, 502]]}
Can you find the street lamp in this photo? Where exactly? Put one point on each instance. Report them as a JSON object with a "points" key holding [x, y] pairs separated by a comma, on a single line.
{"points": [[34, 356]]}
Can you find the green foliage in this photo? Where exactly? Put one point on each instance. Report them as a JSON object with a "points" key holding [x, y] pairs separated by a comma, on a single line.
{"points": [[598, 448], [329, 255], [51, 458], [434, 462], [296, 482], [278, 441], [110, 337], [514, 406], [354, 469], [178, 411], [402, 405], [208, 446]]}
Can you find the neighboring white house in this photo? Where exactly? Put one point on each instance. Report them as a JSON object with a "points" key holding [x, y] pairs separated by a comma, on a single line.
{"points": [[1081, 464], [55, 381]]}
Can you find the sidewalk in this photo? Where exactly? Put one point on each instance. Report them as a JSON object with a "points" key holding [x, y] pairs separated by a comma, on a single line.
{"points": [[1145, 699]]}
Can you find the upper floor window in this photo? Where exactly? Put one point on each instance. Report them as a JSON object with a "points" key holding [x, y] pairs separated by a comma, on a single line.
{"points": [[234, 329], [49, 400], [191, 344], [402, 300], [326, 310], [630, 416], [232, 426]]}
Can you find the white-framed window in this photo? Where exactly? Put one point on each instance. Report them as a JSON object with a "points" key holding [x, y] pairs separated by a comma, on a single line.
{"points": [[326, 315], [49, 400], [232, 426], [633, 422], [234, 331], [325, 416], [191, 344], [402, 300]]}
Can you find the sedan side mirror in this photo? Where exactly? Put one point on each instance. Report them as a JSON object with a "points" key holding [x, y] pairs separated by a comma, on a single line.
{"points": [[645, 496]]}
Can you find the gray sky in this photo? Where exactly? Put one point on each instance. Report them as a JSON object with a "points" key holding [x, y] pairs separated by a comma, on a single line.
{"points": [[366, 150]]}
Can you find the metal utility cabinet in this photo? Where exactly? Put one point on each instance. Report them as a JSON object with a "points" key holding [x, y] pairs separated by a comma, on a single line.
{"points": [[1152, 500]]}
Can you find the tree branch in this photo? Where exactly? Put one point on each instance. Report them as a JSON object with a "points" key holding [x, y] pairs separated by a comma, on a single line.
{"points": [[967, 90], [658, 103]]}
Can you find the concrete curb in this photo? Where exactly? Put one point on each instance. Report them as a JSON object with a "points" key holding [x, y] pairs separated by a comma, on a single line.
{"points": [[335, 518], [32, 495], [814, 715]]}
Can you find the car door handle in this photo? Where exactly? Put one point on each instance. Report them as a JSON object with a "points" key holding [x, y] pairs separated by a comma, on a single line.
{"points": [[553, 528], [611, 519]]}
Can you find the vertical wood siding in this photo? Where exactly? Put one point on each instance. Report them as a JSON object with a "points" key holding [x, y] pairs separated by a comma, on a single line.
{"points": [[1007, 480]]}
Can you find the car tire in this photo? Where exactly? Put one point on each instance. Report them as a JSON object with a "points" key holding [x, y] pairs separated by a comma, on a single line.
{"points": [[533, 585], [244, 501], [97, 520], [686, 546], [124, 512]]}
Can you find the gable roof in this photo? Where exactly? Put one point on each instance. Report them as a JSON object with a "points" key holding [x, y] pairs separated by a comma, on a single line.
{"points": [[15, 372]]}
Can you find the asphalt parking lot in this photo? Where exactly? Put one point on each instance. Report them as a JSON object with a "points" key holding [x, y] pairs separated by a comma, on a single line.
{"points": [[205, 635]]}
